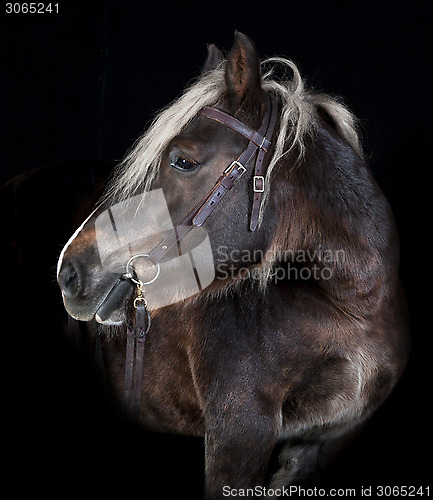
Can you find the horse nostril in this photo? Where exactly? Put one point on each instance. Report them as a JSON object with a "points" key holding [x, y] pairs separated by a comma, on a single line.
{"points": [[68, 281]]}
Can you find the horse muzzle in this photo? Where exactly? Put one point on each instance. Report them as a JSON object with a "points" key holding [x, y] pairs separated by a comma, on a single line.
{"points": [[89, 291], [105, 303]]}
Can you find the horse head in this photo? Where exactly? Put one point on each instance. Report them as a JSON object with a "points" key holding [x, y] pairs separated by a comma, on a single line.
{"points": [[181, 157]]}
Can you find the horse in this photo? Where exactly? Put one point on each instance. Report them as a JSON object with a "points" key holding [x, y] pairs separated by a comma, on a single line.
{"points": [[299, 331]]}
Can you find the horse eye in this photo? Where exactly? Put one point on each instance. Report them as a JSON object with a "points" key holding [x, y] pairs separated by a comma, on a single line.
{"points": [[184, 164]]}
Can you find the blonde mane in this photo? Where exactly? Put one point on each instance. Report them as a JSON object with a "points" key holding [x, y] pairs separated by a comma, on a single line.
{"points": [[298, 119]]}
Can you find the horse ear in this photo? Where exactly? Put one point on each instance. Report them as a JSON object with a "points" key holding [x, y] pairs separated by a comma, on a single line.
{"points": [[214, 57], [242, 74]]}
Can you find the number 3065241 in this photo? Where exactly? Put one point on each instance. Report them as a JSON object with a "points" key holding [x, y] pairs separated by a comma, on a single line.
{"points": [[32, 8]]}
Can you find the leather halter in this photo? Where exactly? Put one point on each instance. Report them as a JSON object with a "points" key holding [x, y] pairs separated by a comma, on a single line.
{"points": [[259, 143], [258, 140]]}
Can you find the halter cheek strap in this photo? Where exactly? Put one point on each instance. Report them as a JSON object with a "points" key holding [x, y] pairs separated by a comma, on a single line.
{"points": [[259, 170]]}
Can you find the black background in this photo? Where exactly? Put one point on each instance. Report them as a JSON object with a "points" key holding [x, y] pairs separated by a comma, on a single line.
{"points": [[79, 86]]}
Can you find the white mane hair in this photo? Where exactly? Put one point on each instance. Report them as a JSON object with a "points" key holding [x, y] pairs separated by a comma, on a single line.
{"points": [[298, 119]]}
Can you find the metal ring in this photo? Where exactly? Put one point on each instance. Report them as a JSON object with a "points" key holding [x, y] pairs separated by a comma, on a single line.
{"points": [[130, 275]]}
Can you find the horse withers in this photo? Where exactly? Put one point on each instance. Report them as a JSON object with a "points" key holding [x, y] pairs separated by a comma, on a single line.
{"points": [[262, 260]]}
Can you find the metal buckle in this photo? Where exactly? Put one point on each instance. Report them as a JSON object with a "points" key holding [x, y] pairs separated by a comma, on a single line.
{"points": [[255, 179], [240, 167]]}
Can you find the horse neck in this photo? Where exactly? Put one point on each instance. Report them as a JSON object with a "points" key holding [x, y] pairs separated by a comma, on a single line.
{"points": [[342, 222]]}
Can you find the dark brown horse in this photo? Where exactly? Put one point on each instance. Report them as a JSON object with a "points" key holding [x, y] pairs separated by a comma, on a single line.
{"points": [[301, 333]]}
